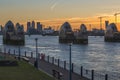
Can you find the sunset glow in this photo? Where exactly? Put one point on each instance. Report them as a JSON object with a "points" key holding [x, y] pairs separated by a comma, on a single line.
{"points": [[56, 12]]}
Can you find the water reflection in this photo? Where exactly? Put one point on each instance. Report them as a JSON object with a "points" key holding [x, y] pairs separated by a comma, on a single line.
{"points": [[97, 55]]}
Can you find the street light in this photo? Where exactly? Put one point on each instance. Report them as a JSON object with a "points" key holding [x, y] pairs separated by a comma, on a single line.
{"points": [[36, 62], [70, 61]]}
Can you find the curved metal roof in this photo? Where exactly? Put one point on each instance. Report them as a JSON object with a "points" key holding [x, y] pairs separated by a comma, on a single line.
{"points": [[112, 27], [9, 26], [66, 27], [83, 27], [19, 28]]}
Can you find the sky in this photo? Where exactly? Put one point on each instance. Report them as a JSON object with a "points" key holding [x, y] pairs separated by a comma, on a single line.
{"points": [[56, 12]]}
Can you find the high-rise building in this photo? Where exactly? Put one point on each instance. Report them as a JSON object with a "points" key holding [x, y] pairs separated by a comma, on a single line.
{"points": [[39, 27], [28, 26], [33, 24]]}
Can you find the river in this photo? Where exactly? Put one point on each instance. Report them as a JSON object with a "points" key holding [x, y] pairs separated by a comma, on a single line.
{"points": [[97, 55]]}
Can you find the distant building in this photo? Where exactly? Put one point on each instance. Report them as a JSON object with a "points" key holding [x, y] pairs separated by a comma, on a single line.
{"points": [[39, 27], [28, 26], [33, 24], [48, 31]]}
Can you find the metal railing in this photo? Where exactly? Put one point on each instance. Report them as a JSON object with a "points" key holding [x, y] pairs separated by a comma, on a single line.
{"points": [[80, 70]]}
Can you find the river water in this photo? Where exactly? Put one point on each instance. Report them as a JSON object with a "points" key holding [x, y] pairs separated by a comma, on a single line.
{"points": [[97, 55]]}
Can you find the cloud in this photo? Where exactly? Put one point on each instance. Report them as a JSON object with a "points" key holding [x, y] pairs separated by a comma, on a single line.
{"points": [[53, 6]]}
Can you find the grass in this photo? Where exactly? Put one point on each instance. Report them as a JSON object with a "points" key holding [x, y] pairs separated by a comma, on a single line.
{"points": [[24, 71]]}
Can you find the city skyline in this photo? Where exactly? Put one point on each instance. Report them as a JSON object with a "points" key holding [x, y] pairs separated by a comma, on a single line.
{"points": [[56, 12]]}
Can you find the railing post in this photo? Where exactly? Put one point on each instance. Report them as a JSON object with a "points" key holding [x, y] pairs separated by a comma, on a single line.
{"points": [[81, 71], [14, 52], [72, 67], [48, 58], [25, 53], [9, 52], [52, 60], [92, 76], [4, 52], [106, 77], [31, 54], [64, 64], [58, 62]]}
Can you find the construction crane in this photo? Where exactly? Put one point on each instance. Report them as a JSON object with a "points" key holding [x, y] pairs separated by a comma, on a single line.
{"points": [[116, 17], [101, 17]]}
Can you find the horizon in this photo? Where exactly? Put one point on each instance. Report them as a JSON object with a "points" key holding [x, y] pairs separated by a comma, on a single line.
{"points": [[56, 12]]}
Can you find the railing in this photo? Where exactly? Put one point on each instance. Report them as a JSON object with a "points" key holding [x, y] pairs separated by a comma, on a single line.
{"points": [[80, 70]]}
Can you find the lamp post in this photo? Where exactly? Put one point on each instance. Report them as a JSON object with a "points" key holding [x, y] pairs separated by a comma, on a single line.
{"points": [[70, 61], [36, 62]]}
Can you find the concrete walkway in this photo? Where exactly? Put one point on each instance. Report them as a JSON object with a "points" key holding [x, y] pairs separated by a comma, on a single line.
{"points": [[49, 67]]}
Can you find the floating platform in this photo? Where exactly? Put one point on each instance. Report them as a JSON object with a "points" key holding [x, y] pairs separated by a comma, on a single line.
{"points": [[80, 41], [109, 39], [74, 41], [66, 40], [14, 42]]}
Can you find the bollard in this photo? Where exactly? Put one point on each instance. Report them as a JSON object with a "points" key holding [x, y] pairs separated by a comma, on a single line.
{"points": [[72, 69], [31, 54], [48, 58], [64, 64], [92, 76], [58, 62], [81, 71], [106, 77], [25, 53], [52, 60]]}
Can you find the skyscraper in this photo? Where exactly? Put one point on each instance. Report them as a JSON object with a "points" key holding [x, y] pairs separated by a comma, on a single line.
{"points": [[33, 24], [28, 26], [39, 27]]}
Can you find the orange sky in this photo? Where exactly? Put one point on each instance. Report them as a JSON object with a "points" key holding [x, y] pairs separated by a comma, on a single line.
{"points": [[56, 12], [75, 22]]}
